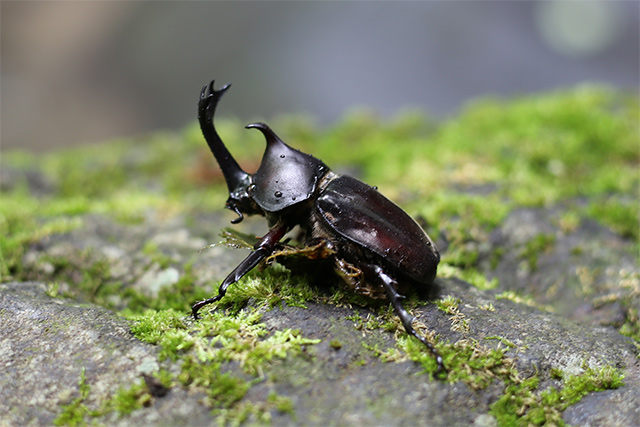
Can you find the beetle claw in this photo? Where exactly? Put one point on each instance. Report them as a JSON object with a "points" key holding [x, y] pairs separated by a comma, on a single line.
{"points": [[234, 207], [240, 216]]}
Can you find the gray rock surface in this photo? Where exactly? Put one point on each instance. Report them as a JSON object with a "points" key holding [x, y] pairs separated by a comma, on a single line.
{"points": [[582, 273], [81, 261], [46, 342]]}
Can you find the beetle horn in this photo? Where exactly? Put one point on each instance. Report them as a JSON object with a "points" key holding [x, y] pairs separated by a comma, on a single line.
{"points": [[209, 98], [269, 135], [237, 180]]}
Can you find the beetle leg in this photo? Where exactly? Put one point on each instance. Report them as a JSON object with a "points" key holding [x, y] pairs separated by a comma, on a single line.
{"points": [[316, 249], [262, 249], [390, 285], [352, 277]]}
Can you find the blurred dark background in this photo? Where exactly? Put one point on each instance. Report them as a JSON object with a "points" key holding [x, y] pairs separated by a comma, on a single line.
{"points": [[80, 72]]}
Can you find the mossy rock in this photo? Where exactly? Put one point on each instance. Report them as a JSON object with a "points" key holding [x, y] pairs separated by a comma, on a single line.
{"points": [[533, 202]]}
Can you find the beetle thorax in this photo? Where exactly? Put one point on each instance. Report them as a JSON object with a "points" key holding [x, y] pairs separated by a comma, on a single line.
{"points": [[286, 176]]}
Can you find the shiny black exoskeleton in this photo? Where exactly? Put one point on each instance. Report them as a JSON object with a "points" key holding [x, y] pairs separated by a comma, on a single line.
{"points": [[375, 247]]}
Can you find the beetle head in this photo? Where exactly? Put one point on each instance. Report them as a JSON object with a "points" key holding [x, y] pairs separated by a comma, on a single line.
{"points": [[286, 176]]}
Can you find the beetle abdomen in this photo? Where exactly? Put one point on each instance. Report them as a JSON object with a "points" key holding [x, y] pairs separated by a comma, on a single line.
{"points": [[362, 215]]}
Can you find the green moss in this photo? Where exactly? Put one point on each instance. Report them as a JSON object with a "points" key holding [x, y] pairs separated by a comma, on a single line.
{"points": [[260, 413], [75, 412], [471, 275], [282, 404], [520, 299], [151, 250], [466, 220], [274, 288], [219, 338], [542, 243], [203, 349], [475, 211], [178, 296], [531, 151], [568, 221], [153, 326], [621, 216], [20, 227], [335, 344], [87, 275], [464, 176], [518, 397], [631, 326], [502, 340], [478, 366], [124, 401], [449, 304], [553, 141], [523, 404], [593, 379], [465, 360], [383, 317], [128, 399]]}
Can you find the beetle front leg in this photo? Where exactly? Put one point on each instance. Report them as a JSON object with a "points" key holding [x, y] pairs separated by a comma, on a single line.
{"points": [[262, 249], [390, 285]]}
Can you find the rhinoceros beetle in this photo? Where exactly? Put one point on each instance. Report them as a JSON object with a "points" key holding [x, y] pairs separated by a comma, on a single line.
{"points": [[374, 246]]}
